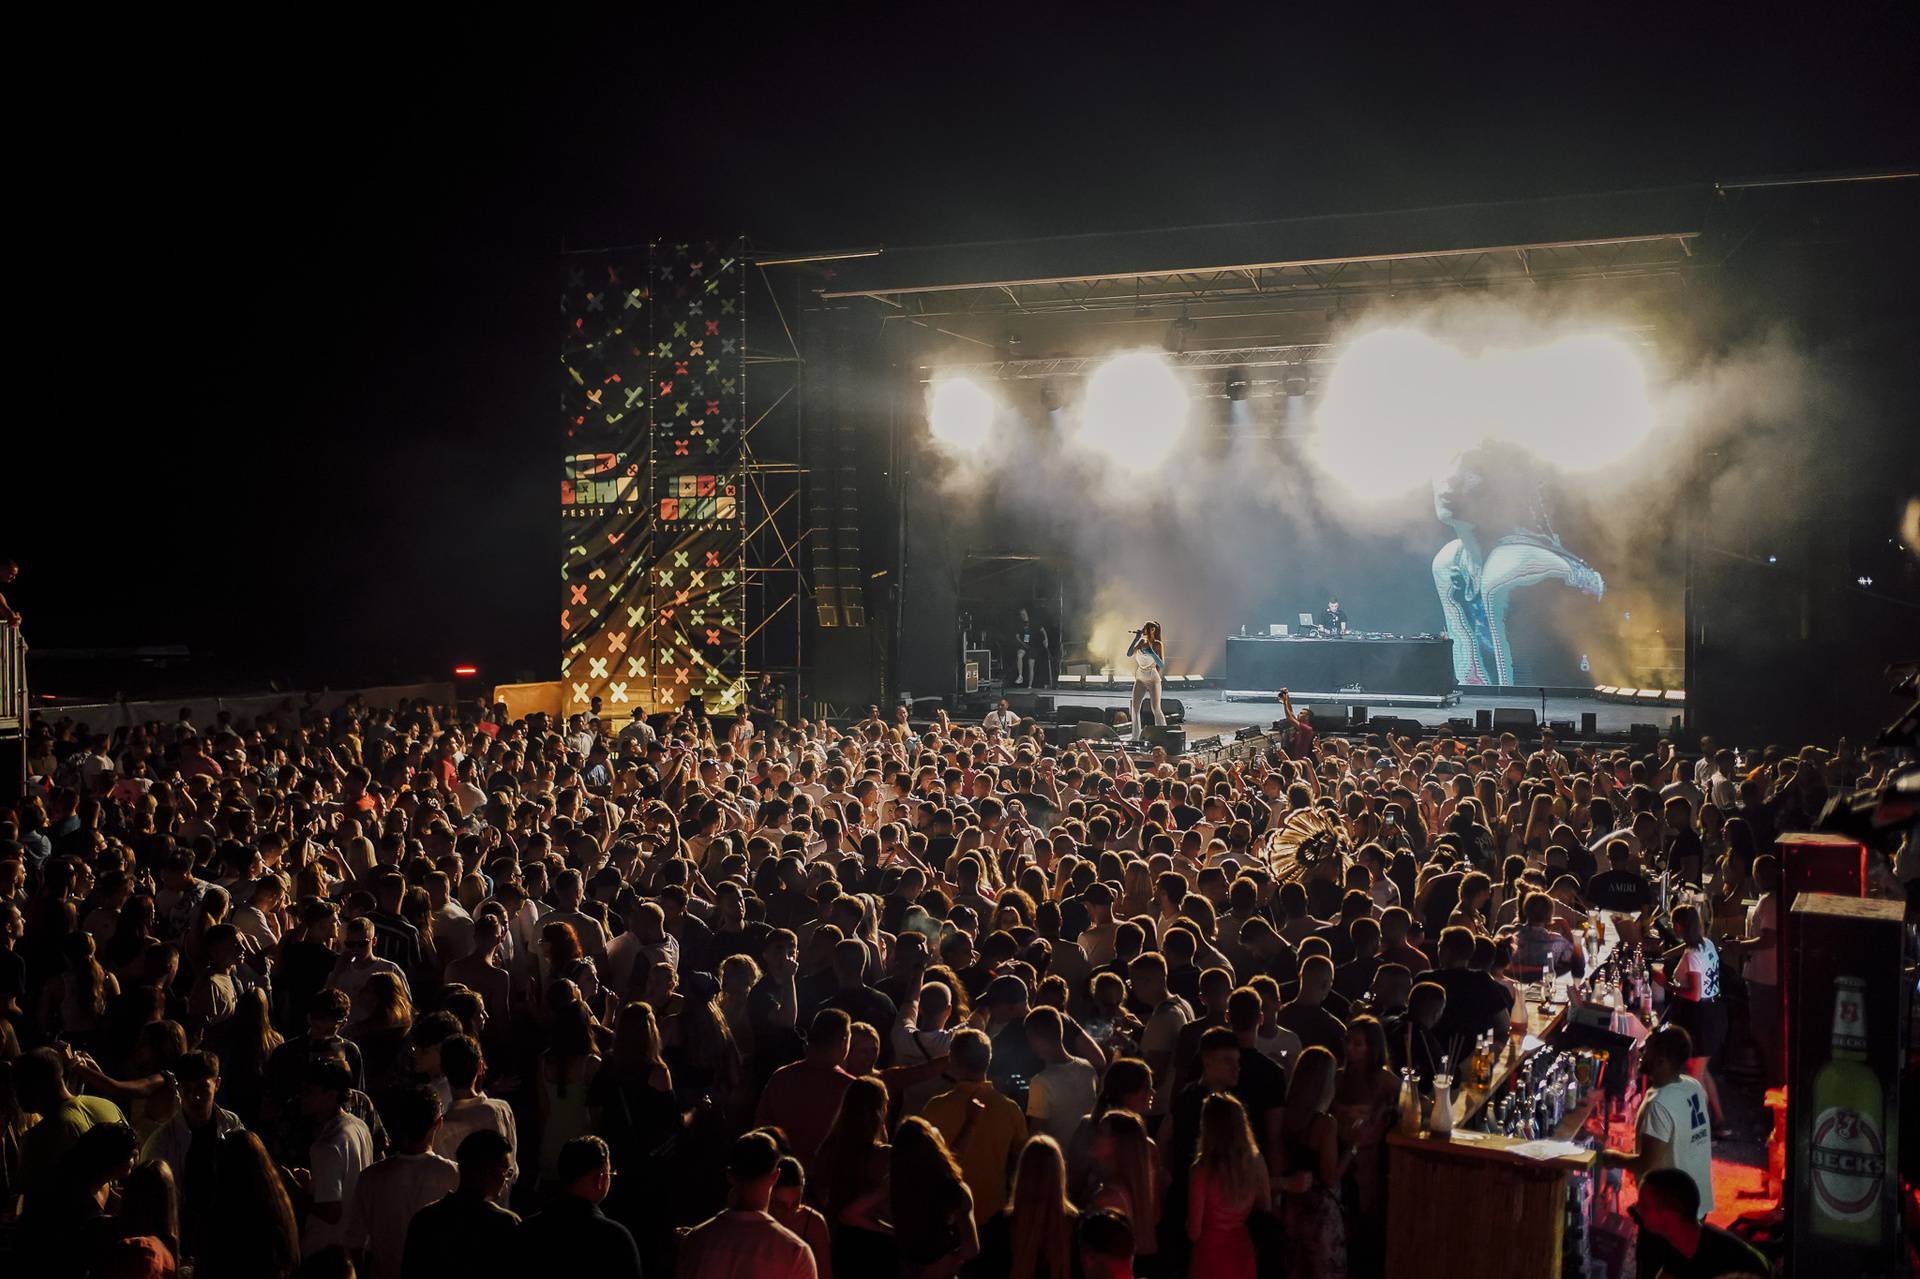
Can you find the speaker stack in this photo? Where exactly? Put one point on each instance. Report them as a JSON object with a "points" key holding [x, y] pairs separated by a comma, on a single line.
{"points": [[1521, 721], [1173, 739]]}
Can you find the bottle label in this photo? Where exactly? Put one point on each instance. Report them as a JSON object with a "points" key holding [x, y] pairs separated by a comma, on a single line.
{"points": [[1848, 1163], [1849, 1023]]}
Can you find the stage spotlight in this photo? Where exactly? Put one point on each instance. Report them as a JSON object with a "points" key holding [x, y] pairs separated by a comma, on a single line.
{"points": [[1393, 412], [1579, 403], [960, 414], [1134, 411], [1237, 384], [1296, 385]]}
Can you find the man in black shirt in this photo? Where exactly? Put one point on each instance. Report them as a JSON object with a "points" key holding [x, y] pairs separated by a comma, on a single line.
{"points": [[1015, 1063], [572, 1225], [1475, 1002], [1339, 934], [1263, 1081], [1307, 1017], [467, 1233], [1620, 888], [858, 1000], [1410, 1040], [1677, 1243], [1686, 856]]}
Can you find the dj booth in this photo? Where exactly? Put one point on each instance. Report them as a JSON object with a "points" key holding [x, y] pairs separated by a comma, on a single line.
{"points": [[1385, 664]]}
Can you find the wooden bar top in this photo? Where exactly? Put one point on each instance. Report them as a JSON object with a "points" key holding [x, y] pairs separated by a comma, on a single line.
{"points": [[1492, 1147]]}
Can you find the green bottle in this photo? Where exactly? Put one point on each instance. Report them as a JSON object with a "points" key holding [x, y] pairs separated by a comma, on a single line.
{"points": [[1848, 1149]]}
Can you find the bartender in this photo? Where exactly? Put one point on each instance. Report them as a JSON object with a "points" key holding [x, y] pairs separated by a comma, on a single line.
{"points": [[1334, 619]]}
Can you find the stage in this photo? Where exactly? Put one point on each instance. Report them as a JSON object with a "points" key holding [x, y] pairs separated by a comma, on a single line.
{"points": [[1208, 710]]}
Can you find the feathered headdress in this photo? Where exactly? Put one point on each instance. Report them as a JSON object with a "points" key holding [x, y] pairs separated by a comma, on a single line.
{"points": [[1308, 838]]}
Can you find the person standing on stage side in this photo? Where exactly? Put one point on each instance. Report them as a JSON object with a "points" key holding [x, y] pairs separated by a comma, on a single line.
{"points": [[1149, 662], [1334, 620]]}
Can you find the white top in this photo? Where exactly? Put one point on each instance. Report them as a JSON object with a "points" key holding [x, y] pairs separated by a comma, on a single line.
{"points": [[1677, 1115], [1059, 1095], [1143, 661], [340, 1152], [1703, 959], [470, 1115], [351, 973], [387, 1196], [1162, 1034], [1763, 963]]}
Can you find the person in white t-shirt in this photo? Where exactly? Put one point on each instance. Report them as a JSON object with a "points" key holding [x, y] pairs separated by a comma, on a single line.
{"points": [[341, 1150], [1760, 949], [389, 1192], [1161, 1034], [1065, 1087], [357, 962], [1001, 719], [1671, 1128], [472, 1110]]}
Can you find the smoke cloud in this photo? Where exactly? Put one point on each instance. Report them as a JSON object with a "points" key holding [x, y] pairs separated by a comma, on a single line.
{"points": [[1247, 522]]}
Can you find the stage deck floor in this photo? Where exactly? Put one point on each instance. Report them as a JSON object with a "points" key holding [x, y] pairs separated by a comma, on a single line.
{"points": [[1208, 712]]}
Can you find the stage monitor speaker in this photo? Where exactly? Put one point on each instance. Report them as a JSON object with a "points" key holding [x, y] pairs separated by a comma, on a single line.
{"points": [[1644, 734], [1075, 714], [1589, 724], [1175, 708], [1483, 720], [1522, 721], [1460, 725], [1061, 734], [1561, 727], [1025, 703], [1357, 716], [927, 707], [1327, 716], [1174, 739], [1094, 731]]}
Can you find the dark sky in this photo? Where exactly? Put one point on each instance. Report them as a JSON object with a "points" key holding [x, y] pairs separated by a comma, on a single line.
{"points": [[299, 321]]}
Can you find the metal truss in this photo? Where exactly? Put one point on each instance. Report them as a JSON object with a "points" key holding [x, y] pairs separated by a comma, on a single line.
{"points": [[1310, 284], [772, 483], [1226, 357]]}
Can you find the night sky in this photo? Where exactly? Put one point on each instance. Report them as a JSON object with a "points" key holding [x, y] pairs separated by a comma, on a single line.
{"points": [[298, 336]]}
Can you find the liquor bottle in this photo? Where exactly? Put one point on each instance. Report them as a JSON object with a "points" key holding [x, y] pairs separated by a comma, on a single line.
{"points": [[1480, 1066], [1848, 1156]]}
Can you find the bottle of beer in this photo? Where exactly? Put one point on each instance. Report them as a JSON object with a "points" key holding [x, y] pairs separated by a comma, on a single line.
{"points": [[1848, 1149]]}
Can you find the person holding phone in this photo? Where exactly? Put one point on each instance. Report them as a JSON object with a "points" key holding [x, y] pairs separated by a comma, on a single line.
{"points": [[1149, 656]]}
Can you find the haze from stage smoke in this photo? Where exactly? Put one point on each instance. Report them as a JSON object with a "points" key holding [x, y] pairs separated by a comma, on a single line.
{"points": [[1612, 402]]}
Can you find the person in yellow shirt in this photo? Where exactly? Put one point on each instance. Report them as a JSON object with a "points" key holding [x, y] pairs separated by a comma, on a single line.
{"points": [[984, 1129]]}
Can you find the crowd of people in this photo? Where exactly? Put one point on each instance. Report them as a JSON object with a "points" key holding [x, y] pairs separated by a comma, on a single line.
{"points": [[420, 991]]}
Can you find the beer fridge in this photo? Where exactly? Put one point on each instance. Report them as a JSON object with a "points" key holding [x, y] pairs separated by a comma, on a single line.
{"points": [[1846, 1035]]}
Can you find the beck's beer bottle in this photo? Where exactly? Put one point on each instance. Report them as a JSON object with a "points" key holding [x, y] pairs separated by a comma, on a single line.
{"points": [[1848, 1149]]}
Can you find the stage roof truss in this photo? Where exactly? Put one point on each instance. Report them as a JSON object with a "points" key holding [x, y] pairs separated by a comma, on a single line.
{"points": [[1304, 284]]}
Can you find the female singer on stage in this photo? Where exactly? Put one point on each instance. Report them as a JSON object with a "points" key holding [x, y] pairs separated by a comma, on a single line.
{"points": [[1149, 663]]}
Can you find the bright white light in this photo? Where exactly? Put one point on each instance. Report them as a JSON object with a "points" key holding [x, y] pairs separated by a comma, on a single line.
{"points": [[1399, 405], [1579, 403], [960, 415], [1394, 412], [1134, 411]]}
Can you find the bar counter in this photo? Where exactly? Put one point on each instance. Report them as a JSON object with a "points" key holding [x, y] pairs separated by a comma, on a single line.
{"points": [[1468, 1205]]}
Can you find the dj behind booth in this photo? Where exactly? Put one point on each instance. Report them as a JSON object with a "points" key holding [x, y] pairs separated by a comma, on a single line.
{"points": [[1325, 653]]}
